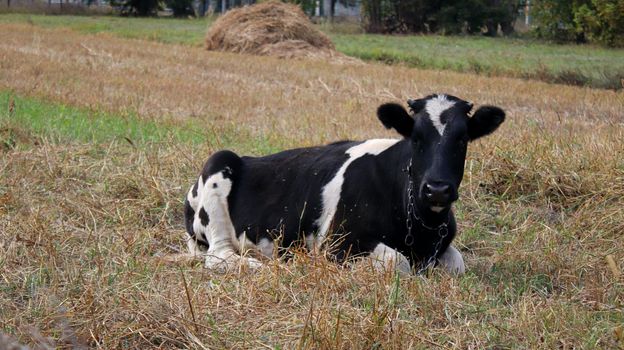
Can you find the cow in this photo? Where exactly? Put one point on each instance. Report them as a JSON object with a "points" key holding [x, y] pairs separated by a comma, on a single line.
{"points": [[388, 200]]}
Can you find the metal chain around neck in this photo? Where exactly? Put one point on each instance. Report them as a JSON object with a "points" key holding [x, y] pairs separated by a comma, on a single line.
{"points": [[442, 229]]}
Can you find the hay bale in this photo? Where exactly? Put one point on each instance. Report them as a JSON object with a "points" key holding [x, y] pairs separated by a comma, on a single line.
{"points": [[270, 28]]}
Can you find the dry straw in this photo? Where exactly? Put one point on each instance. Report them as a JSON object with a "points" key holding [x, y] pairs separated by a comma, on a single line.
{"points": [[271, 28]]}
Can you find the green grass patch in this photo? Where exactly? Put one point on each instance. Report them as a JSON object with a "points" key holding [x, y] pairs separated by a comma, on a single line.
{"points": [[166, 30], [585, 65], [66, 122], [515, 57], [38, 118]]}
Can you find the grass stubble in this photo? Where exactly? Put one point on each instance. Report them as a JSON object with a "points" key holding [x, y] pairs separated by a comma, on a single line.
{"points": [[581, 65], [84, 225]]}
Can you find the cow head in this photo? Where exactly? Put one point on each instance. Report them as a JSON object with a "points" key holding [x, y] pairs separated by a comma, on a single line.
{"points": [[439, 129]]}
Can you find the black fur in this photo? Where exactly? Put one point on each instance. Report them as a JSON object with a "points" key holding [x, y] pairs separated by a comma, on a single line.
{"points": [[484, 121], [418, 105], [279, 196], [395, 116], [203, 216]]}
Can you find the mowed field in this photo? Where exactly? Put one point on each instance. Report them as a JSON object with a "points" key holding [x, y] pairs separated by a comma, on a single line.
{"points": [[101, 136], [582, 65]]}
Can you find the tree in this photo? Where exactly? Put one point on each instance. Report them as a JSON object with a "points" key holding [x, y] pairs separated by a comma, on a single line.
{"points": [[555, 19]]}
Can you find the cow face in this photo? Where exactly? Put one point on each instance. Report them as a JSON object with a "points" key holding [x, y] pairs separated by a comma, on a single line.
{"points": [[439, 129]]}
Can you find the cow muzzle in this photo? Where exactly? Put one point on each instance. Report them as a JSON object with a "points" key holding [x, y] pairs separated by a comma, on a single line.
{"points": [[438, 194]]}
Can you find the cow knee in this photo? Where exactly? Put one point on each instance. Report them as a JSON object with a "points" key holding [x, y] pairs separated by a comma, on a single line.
{"points": [[453, 261], [386, 258]]}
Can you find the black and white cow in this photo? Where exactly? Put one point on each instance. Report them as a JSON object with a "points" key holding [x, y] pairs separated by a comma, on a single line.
{"points": [[385, 199]]}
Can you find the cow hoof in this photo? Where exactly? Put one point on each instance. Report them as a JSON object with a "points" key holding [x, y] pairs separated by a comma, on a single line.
{"points": [[232, 262], [453, 261]]}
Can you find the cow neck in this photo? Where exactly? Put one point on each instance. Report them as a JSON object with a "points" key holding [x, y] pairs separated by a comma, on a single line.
{"points": [[435, 225]]}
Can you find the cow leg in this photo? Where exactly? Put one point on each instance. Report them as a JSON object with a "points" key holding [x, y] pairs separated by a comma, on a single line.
{"points": [[212, 225], [220, 233], [452, 261], [384, 258]]}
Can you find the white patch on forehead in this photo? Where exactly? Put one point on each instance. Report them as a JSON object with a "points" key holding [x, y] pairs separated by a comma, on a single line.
{"points": [[330, 194], [435, 107]]}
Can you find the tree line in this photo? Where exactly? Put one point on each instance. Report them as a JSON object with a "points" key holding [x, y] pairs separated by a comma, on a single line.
{"points": [[594, 21], [440, 16], [581, 21]]}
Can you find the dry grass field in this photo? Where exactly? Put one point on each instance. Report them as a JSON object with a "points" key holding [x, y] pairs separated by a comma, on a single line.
{"points": [[84, 224]]}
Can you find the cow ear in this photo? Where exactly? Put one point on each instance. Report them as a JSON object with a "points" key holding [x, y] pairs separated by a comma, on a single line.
{"points": [[417, 105], [484, 121], [395, 116]]}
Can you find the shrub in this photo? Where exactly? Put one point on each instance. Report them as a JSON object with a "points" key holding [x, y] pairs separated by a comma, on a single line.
{"points": [[597, 21], [181, 8], [602, 21]]}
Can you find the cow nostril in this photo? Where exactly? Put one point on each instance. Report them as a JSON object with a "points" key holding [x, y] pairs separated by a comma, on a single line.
{"points": [[437, 192]]}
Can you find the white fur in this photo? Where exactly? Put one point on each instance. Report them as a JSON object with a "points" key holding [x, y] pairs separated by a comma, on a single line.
{"points": [[453, 261], [435, 107], [194, 200], [386, 258], [331, 192], [222, 253]]}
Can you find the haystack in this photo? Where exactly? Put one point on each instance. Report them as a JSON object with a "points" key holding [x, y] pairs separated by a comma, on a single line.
{"points": [[270, 28]]}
